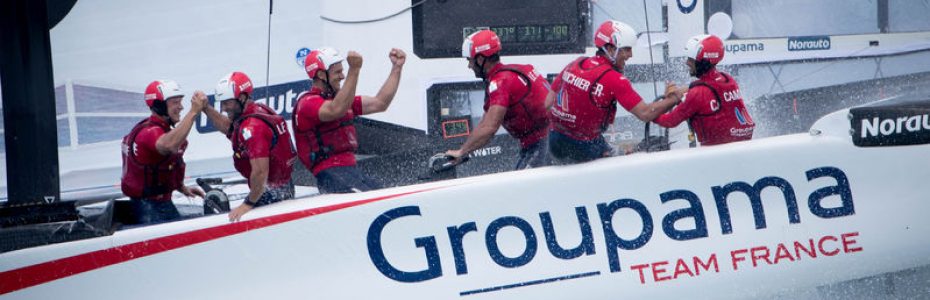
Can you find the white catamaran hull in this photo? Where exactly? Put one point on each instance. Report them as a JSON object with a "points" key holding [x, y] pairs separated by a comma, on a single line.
{"points": [[659, 225]]}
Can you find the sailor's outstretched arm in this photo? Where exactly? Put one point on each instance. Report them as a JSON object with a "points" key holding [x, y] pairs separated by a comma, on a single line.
{"points": [[342, 102], [490, 123], [382, 100]]}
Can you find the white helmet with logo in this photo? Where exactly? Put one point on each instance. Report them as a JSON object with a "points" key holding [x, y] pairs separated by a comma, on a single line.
{"points": [[321, 59], [615, 33], [705, 47], [233, 85]]}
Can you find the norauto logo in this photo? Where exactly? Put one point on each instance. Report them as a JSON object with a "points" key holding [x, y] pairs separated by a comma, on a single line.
{"points": [[884, 127], [806, 43], [891, 125], [837, 197]]}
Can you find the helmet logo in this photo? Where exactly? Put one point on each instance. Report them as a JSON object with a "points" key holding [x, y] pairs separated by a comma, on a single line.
{"points": [[711, 55], [482, 48], [603, 37], [245, 85]]}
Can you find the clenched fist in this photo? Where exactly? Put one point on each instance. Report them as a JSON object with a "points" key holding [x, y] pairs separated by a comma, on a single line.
{"points": [[398, 57], [354, 59], [198, 101]]}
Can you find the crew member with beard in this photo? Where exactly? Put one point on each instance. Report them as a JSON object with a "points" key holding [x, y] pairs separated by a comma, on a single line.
{"points": [[586, 93], [323, 118], [515, 97], [713, 106], [153, 154], [261, 143]]}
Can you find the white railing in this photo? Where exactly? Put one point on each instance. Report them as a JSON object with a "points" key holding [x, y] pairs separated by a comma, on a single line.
{"points": [[71, 115]]}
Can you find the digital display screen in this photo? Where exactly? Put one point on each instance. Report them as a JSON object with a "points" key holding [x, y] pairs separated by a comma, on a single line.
{"points": [[526, 33], [524, 27], [455, 128]]}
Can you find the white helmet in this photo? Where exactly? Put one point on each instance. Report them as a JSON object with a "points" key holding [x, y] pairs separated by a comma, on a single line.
{"points": [[321, 59], [162, 90], [233, 85], [615, 33], [705, 47]]}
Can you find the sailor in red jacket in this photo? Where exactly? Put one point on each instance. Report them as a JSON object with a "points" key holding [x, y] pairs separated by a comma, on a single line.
{"points": [[585, 95], [713, 107], [323, 118], [515, 97], [261, 143], [153, 153]]}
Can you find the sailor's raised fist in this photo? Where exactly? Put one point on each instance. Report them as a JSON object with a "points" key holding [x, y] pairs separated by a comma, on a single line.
{"points": [[398, 57], [198, 101], [354, 59]]}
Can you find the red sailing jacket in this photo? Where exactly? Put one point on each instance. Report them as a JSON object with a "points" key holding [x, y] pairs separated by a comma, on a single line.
{"points": [[523, 92], [260, 132], [323, 145], [147, 173], [715, 110], [589, 90]]}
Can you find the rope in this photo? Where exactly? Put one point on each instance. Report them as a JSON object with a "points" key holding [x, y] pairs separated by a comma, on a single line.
{"points": [[325, 18]]}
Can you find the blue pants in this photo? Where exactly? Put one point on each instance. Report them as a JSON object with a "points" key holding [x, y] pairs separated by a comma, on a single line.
{"points": [[567, 150], [342, 180], [148, 211], [534, 156]]}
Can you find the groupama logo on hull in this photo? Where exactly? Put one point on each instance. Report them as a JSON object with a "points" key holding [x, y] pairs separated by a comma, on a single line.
{"points": [[605, 212]]}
